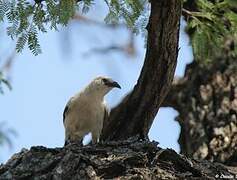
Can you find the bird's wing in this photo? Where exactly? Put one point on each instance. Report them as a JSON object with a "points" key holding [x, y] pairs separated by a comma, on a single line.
{"points": [[66, 109]]}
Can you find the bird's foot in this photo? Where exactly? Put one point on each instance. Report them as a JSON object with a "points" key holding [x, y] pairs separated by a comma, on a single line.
{"points": [[70, 142]]}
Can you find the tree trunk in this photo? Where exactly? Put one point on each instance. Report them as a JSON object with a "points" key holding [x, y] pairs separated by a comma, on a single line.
{"points": [[114, 160], [135, 114], [206, 99]]}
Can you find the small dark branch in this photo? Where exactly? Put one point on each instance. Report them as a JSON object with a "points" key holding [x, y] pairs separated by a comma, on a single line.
{"points": [[128, 48], [8, 62], [187, 12], [135, 114], [189, 5], [81, 18], [7, 66]]}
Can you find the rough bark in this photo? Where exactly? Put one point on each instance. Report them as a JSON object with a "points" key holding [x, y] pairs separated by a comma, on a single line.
{"points": [[114, 160], [135, 114], [206, 100]]}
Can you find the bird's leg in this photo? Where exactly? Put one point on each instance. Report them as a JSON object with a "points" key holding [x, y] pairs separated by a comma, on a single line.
{"points": [[67, 142], [96, 132], [80, 142], [94, 139], [78, 138]]}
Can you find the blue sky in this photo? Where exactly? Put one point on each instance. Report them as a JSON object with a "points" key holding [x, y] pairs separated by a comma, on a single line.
{"points": [[43, 84]]}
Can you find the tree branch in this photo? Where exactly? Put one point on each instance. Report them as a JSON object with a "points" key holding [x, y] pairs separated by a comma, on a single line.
{"points": [[173, 99], [135, 114]]}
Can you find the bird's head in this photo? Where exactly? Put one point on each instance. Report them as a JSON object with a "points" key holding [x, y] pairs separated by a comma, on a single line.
{"points": [[103, 85]]}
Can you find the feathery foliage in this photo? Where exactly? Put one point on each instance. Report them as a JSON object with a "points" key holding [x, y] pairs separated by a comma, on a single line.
{"points": [[27, 19], [210, 26], [133, 13]]}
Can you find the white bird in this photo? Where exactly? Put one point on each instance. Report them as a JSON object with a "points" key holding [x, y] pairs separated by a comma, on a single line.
{"points": [[85, 112]]}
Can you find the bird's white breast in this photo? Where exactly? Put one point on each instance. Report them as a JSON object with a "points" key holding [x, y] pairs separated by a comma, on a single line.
{"points": [[87, 115]]}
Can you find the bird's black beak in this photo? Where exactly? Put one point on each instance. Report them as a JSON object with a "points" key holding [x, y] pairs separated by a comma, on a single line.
{"points": [[113, 84]]}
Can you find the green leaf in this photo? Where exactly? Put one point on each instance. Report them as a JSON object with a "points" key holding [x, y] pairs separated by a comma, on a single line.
{"points": [[21, 42], [33, 42], [4, 7], [67, 11]]}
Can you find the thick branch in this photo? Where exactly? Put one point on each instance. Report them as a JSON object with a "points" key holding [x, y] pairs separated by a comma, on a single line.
{"points": [[136, 113]]}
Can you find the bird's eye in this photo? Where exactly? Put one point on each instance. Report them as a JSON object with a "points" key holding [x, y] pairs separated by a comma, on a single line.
{"points": [[105, 80]]}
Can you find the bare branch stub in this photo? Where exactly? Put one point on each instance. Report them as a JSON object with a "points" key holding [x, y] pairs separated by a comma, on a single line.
{"points": [[135, 114]]}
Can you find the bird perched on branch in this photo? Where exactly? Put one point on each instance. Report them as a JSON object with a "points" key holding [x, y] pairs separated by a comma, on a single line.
{"points": [[86, 111]]}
